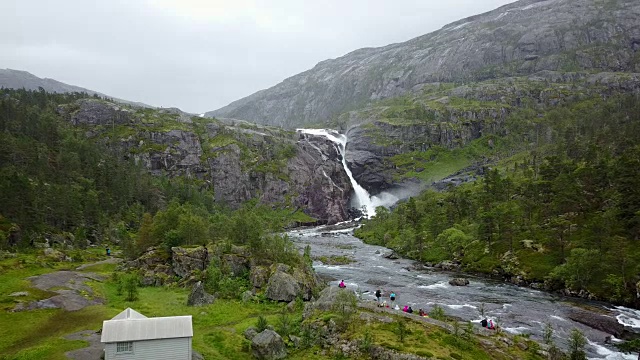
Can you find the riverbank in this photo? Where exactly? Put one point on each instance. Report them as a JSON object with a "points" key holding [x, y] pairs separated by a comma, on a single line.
{"points": [[519, 310]]}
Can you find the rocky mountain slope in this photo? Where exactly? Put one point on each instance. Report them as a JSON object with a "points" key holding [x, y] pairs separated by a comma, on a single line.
{"points": [[18, 79], [521, 38], [412, 135], [238, 161]]}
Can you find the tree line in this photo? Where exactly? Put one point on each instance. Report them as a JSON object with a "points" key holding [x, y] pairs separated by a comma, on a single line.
{"points": [[565, 210]]}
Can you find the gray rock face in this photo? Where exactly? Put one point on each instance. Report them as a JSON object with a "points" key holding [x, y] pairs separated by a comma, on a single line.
{"points": [[282, 287], [459, 282], [98, 112], [199, 296], [521, 38], [187, 260], [607, 324], [237, 162], [268, 345]]}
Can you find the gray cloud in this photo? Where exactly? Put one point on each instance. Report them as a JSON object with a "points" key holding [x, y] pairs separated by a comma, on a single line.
{"points": [[200, 55]]}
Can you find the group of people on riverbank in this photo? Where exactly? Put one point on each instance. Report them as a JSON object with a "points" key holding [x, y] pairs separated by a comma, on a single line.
{"points": [[486, 323], [393, 305]]}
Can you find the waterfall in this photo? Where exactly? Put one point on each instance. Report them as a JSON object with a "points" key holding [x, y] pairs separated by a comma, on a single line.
{"points": [[361, 200]]}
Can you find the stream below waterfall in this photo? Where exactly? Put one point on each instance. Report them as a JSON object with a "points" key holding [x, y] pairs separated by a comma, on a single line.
{"points": [[517, 310]]}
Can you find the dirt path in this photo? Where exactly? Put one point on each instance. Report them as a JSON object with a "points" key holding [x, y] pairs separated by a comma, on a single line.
{"points": [[110, 260]]}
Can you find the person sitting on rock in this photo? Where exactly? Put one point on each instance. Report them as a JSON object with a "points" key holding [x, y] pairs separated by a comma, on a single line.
{"points": [[484, 323], [410, 310], [405, 308], [422, 313], [342, 285], [491, 325]]}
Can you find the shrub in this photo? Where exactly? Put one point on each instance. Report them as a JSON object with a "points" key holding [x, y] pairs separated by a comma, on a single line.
{"points": [[401, 330], [285, 326], [130, 286], [437, 312], [262, 324], [345, 307], [577, 342]]}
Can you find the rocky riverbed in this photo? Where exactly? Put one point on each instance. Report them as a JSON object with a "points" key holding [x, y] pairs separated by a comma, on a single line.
{"points": [[517, 310]]}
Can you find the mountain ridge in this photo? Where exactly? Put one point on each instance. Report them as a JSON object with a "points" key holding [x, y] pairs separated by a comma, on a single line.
{"points": [[516, 39], [22, 79]]}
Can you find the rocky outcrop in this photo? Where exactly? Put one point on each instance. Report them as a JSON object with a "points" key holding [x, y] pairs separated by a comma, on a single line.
{"points": [[607, 324], [237, 161], [286, 283], [459, 282], [282, 287], [99, 112], [199, 296], [268, 345], [520, 38], [186, 261]]}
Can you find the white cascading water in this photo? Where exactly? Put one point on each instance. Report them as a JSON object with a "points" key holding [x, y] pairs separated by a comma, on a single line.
{"points": [[362, 199]]}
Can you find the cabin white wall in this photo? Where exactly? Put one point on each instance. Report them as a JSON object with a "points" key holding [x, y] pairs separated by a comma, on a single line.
{"points": [[160, 349]]}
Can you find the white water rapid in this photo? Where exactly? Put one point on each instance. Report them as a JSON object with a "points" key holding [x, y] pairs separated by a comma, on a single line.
{"points": [[362, 200]]}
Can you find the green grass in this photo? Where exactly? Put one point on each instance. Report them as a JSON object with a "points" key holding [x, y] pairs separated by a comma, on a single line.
{"points": [[37, 332], [218, 328]]}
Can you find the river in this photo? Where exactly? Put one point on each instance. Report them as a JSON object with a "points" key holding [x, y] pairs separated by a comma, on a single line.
{"points": [[517, 310]]}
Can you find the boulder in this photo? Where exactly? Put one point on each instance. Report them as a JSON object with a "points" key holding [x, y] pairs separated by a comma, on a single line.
{"points": [[247, 296], [326, 299], [199, 296], [54, 254], [187, 260], [259, 276], [447, 265], [237, 265], [196, 355], [392, 256], [282, 287], [459, 282], [295, 340], [607, 324], [268, 345], [250, 333]]}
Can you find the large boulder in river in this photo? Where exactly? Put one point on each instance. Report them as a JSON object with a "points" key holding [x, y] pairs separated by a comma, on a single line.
{"points": [[268, 345], [458, 282], [199, 296], [604, 323], [282, 287]]}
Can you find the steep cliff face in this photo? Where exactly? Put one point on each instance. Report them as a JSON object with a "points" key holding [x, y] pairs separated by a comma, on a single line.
{"points": [[238, 162], [521, 38]]}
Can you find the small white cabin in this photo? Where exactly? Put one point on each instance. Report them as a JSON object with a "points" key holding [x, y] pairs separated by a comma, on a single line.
{"points": [[133, 336]]}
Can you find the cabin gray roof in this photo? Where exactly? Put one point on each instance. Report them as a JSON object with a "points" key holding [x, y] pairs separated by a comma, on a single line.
{"points": [[130, 325]]}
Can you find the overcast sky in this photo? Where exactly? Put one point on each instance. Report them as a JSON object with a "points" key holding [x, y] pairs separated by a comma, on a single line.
{"points": [[199, 55]]}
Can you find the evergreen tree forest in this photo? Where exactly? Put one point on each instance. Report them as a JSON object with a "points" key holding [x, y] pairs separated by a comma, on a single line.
{"points": [[563, 212], [59, 186]]}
